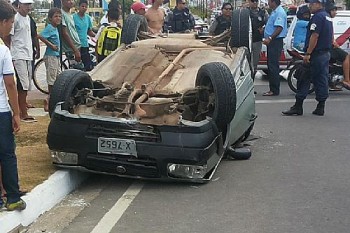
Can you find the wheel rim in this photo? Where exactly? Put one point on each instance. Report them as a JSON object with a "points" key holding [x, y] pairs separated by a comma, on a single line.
{"points": [[39, 78], [294, 83], [207, 92], [294, 80]]}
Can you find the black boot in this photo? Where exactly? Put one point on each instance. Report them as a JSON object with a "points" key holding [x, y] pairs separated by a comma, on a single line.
{"points": [[319, 111], [296, 109]]}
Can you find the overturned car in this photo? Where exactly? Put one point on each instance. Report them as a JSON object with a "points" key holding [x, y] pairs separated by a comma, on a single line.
{"points": [[160, 108]]}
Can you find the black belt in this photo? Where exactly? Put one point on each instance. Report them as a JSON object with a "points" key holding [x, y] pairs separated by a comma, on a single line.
{"points": [[320, 51]]}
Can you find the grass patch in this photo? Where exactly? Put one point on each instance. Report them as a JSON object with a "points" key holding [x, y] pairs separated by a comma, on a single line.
{"points": [[34, 160]]}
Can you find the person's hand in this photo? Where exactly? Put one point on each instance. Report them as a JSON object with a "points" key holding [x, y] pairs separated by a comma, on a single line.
{"points": [[55, 47], [16, 123], [261, 30], [37, 54], [77, 56], [306, 59], [150, 30], [266, 41]]}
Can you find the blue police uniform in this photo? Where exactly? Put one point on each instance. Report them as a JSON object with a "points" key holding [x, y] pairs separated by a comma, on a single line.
{"points": [[181, 20], [321, 24], [223, 24], [258, 18]]}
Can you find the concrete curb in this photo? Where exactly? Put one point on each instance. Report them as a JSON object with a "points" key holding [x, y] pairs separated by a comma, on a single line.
{"points": [[37, 112], [42, 198]]}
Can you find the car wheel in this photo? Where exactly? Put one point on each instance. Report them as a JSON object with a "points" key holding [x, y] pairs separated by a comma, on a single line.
{"points": [[217, 78], [66, 87], [131, 28], [292, 81], [241, 29]]}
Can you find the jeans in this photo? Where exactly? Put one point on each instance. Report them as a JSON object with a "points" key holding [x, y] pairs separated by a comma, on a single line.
{"points": [[319, 68], [274, 50], [8, 158], [85, 58]]}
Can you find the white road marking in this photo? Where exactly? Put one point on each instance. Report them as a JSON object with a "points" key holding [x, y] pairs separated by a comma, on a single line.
{"points": [[293, 100], [111, 218]]}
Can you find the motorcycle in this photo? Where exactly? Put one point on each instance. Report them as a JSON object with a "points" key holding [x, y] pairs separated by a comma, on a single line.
{"points": [[335, 76], [92, 44]]}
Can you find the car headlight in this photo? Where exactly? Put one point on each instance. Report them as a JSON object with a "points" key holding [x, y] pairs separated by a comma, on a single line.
{"points": [[187, 171], [64, 157]]}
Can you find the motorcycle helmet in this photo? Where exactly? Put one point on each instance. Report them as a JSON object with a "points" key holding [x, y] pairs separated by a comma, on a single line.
{"points": [[303, 13], [330, 7]]}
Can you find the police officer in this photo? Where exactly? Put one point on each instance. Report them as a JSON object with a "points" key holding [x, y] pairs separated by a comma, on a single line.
{"points": [[223, 21], [259, 18], [318, 43], [180, 19]]}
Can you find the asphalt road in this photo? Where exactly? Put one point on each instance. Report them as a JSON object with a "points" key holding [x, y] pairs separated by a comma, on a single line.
{"points": [[298, 180]]}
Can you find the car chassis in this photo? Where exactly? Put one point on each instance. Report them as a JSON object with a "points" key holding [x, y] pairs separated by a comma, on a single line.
{"points": [[161, 108]]}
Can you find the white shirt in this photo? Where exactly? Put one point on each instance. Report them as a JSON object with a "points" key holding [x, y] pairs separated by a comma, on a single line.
{"points": [[21, 40], [6, 68]]}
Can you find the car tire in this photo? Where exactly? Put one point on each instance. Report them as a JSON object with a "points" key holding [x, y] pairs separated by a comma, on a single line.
{"points": [[131, 28], [218, 78], [241, 29], [292, 81], [65, 86]]}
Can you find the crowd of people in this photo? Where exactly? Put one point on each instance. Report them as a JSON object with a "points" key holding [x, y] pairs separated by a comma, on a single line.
{"points": [[19, 47]]}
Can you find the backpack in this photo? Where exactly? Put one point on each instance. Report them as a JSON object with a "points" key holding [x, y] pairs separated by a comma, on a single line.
{"points": [[109, 40]]}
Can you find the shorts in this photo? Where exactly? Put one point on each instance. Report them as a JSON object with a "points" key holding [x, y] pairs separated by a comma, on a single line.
{"points": [[53, 68], [24, 73], [338, 55]]}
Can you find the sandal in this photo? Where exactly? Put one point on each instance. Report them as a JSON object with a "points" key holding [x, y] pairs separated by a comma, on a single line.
{"points": [[346, 86], [30, 105], [269, 93], [29, 119]]}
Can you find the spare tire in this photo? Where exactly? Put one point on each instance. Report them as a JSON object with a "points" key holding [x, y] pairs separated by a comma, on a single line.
{"points": [[217, 77], [66, 86], [131, 27], [241, 29]]}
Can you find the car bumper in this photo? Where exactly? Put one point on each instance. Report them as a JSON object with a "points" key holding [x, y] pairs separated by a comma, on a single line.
{"points": [[190, 151]]}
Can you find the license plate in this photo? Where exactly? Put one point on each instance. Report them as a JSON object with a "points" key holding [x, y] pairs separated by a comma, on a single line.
{"points": [[117, 146]]}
